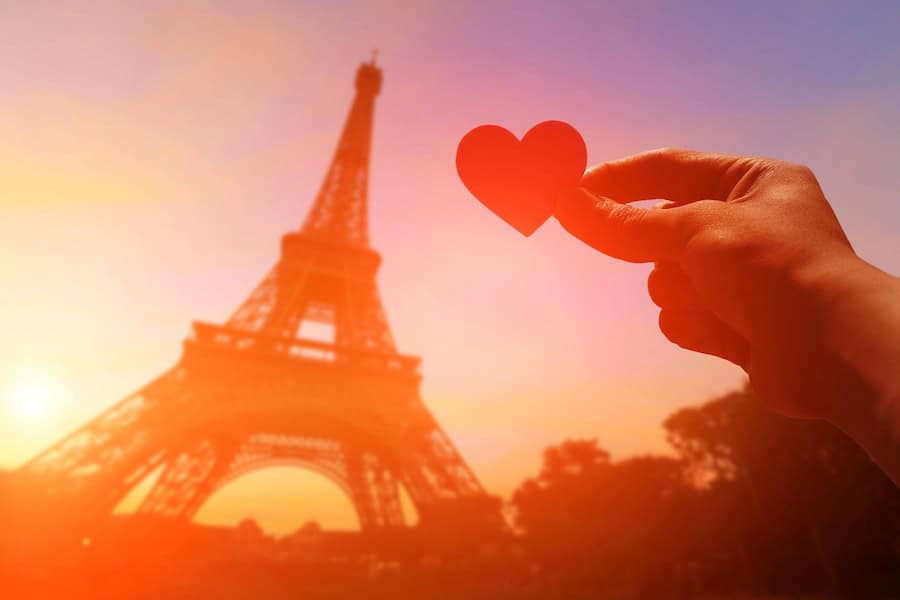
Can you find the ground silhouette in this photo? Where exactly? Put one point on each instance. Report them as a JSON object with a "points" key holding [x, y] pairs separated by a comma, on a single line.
{"points": [[749, 504]]}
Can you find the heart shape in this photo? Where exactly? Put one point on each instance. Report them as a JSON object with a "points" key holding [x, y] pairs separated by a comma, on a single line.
{"points": [[520, 180]]}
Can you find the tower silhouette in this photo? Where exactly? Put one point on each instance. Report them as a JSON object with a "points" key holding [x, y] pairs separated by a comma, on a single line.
{"points": [[255, 391]]}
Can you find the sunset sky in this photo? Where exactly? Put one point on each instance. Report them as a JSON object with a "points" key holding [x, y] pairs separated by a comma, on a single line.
{"points": [[152, 154]]}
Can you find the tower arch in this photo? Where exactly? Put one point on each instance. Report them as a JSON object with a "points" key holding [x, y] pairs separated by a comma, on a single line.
{"points": [[281, 495]]}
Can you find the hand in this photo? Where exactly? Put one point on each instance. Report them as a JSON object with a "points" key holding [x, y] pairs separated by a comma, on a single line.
{"points": [[751, 265]]}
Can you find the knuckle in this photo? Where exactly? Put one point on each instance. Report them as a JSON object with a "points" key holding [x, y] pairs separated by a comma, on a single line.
{"points": [[801, 170], [722, 240], [672, 151], [679, 330], [689, 223], [700, 221], [794, 171], [664, 154], [655, 287], [668, 325], [716, 243]]}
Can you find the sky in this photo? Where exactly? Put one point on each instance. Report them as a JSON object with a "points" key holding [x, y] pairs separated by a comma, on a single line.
{"points": [[153, 153]]}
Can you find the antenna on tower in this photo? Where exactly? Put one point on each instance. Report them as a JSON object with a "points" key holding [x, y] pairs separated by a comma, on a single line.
{"points": [[374, 56]]}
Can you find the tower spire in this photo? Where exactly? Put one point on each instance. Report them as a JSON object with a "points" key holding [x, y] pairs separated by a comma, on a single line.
{"points": [[340, 212]]}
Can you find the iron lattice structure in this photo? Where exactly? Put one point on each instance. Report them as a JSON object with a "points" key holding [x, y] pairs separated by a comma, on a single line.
{"points": [[253, 392]]}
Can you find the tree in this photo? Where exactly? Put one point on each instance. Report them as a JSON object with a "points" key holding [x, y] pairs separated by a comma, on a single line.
{"points": [[801, 506], [592, 525], [751, 502]]}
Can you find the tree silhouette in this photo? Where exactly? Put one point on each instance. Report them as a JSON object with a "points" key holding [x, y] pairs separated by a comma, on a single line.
{"points": [[752, 502], [591, 524], [801, 502]]}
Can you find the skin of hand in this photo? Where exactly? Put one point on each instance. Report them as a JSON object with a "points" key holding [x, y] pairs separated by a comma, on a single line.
{"points": [[751, 265]]}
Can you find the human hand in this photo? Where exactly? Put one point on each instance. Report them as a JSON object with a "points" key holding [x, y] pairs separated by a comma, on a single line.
{"points": [[751, 265]]}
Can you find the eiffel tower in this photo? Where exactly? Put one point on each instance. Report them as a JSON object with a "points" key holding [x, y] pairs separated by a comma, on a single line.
{"points": [[256, 392]]}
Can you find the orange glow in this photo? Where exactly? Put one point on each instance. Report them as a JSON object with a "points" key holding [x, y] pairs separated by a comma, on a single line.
{"points": [[150, 160], [30, 400], [34, 399]]}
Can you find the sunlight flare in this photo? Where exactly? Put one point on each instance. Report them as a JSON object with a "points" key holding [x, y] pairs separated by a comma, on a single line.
{"points": [[31, 398]]}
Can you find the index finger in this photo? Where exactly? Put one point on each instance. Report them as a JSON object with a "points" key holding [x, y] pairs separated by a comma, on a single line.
{"points": [[681, 176]]}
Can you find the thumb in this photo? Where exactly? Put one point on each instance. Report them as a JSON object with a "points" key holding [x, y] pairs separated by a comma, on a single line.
{"points": [[620, 230]]}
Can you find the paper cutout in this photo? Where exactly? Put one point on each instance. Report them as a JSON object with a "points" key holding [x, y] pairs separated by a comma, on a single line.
{"points": [[520, 180]]}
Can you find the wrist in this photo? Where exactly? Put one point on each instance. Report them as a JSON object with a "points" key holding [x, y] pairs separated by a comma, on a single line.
{"points": [[860, 325], [862, 318]]}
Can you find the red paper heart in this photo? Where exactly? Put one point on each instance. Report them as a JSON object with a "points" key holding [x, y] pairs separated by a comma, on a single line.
{"points": [[520, 180]]}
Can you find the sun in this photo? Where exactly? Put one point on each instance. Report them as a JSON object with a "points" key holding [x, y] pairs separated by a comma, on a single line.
{"points": [[30, 399]]}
